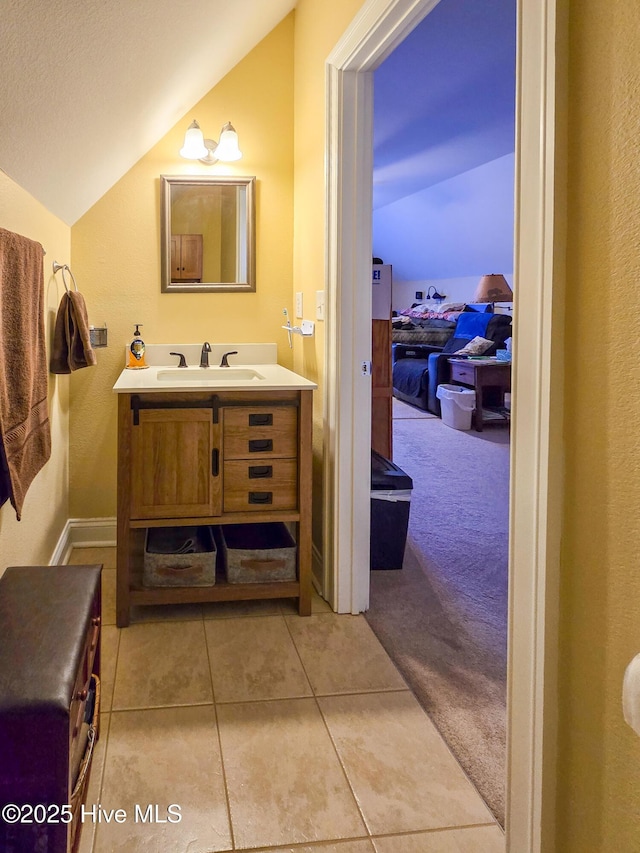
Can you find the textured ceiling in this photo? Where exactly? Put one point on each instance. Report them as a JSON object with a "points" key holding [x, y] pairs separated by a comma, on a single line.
{"points": [[88, 87], [444, 100]]}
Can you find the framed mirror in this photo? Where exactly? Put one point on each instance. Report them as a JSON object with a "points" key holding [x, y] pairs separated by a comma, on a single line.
{"points": [[207, 232]]}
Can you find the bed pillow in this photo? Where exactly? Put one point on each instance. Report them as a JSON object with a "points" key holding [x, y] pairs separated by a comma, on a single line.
{"points": [[476, 346]]}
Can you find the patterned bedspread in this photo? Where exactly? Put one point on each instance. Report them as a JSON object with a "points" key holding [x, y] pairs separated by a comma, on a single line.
{"points": [[433, 337]]}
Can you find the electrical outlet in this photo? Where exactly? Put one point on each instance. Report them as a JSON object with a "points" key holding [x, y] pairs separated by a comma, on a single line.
{"points": [[319, 304], [299, 313]]}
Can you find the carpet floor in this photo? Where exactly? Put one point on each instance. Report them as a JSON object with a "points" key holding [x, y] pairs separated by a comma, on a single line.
{"points": [[443, 617]]}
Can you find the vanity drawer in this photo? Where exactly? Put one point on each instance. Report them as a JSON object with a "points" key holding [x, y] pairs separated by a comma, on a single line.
{"points": [[260, 432], [259, 484]]}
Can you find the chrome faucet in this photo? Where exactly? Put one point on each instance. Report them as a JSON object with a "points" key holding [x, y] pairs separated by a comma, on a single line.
{"points": [[204, 355]]}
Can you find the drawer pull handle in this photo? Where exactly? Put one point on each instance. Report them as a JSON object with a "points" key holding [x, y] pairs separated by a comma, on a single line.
{"points": [[260, 472], [260, 445], [81, 695], [260, 497], [261, 420]]}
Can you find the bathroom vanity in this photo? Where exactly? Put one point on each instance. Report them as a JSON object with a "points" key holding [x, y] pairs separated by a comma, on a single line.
{"points": [[211, 447]]}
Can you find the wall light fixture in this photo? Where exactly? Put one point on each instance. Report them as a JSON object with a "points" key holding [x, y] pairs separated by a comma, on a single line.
{"points": [[196, 147], [439, 297]]}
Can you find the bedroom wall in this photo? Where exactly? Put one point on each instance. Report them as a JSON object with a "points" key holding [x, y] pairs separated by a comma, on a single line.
{"points": [[458, 228], [116, 256], [33, 539], [461, 289]]}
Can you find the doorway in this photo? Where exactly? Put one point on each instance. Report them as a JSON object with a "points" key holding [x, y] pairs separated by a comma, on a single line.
{"points": [[443, 201], [535, 527]]}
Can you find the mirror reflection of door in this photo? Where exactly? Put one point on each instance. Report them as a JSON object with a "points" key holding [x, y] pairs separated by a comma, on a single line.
{"points": [[207, 234], [186, 257]]}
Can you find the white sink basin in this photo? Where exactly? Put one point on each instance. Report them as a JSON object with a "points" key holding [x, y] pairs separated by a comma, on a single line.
{"points": [[183, 375]]}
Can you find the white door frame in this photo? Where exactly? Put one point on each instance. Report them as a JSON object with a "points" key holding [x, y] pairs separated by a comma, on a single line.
{"points": [[535, 498]]}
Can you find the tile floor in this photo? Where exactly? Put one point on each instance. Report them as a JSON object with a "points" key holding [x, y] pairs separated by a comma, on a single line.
{"points": [[270, 732]]}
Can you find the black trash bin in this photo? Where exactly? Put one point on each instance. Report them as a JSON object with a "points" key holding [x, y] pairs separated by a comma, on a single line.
{"points": [[390, 505]]}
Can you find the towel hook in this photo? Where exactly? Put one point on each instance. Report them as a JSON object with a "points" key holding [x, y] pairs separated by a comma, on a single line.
{"points": [[64, 268]]}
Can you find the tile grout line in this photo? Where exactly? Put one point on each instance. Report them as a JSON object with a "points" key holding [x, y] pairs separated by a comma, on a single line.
{"points": [[219, 738], [326, 727]]}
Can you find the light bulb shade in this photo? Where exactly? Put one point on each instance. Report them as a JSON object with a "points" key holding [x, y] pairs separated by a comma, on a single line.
{"points": [[194, 147], [228, 149], [493, 288]]}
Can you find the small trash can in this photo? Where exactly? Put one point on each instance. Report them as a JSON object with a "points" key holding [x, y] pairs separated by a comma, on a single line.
{"points": [[456, 405], [390, 505]]}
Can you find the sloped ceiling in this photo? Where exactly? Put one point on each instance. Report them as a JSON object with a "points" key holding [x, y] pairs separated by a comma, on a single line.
{"points": [[87, 87], [444, 137], [444, 100]]}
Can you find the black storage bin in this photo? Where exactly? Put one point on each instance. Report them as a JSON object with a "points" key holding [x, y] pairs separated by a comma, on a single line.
{"points": [[390, 505]]}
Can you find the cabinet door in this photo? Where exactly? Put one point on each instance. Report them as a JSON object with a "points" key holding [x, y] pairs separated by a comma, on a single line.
{"points": [[191, 257], [176, 257], [175, 464], [186, 257]]}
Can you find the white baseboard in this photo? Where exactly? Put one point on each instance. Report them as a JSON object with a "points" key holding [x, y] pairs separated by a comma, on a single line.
{"points": [[84, 533]]}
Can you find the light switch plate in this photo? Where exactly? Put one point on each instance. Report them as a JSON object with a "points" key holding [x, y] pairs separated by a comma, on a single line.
{"points": [[319, 304], [299, 304]]}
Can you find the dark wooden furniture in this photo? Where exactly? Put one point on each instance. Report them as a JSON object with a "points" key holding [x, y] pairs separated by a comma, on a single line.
{"points": [[381, 383], [49, 648], [381, 388], [186, 257], [190, 458], [486, 377]]}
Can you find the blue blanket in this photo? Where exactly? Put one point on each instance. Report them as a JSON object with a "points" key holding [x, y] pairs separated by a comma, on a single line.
{"points": [[471, 324]]}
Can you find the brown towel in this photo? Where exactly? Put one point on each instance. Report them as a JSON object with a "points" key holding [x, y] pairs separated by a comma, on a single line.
{"points": [[25, 434], [71, 347]]}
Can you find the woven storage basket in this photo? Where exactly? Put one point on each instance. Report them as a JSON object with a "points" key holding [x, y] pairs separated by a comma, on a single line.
{"points": [[80, 787], [167, 563], [258, 553]]}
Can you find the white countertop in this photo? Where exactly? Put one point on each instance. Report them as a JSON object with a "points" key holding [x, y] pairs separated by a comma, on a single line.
{"points": [[273, 377]]}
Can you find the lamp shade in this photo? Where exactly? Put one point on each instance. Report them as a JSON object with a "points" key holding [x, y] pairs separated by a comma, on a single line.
{"points": [[493, 288], [194, 147], [228, 149]]}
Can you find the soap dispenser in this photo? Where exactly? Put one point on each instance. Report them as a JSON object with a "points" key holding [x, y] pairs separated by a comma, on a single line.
{"points": [[136, 351]]}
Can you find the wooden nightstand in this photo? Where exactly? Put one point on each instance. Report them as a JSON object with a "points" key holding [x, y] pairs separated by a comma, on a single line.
{"points": [[482, 375]]}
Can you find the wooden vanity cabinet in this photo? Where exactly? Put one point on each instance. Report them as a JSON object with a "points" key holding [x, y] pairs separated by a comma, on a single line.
{"points": [[195, 458]]}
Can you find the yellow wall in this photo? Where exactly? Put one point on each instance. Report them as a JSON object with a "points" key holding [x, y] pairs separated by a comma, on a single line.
{"points": [[319, 26], [116, 256], [33, 539], [599, 767]]}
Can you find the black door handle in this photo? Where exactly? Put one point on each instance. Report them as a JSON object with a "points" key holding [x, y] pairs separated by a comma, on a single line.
{"points": [[215, 462]]}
